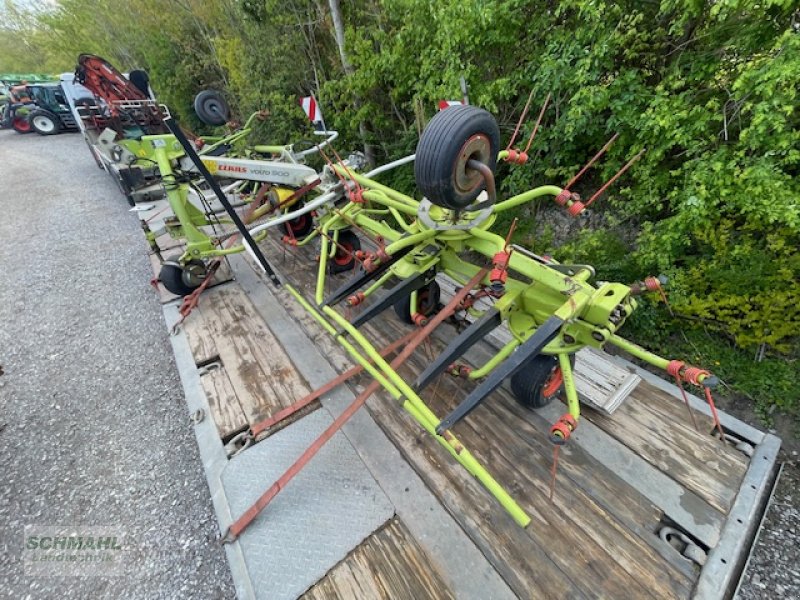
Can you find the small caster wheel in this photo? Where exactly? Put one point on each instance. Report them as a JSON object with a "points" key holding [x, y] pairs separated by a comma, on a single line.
{"points": [[299, 227], [539, 381], [344, 259], [182, 279], [427, 303]]}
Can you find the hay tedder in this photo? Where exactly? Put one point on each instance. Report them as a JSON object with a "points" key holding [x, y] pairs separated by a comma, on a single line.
{"points": [[551, 310]]}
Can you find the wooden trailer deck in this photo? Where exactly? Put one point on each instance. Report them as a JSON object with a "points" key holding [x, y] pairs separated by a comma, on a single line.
{"points": [[621, 479]]}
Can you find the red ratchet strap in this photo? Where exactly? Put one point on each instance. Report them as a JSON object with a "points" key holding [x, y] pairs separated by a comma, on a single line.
{"points": [[262, 426], [236, 529]]}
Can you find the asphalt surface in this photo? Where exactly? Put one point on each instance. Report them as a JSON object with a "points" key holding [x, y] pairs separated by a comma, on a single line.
{"points": [[93, 424]]}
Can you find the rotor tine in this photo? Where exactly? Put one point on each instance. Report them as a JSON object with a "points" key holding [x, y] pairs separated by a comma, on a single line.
{"points": [[616, 176], [398, 292], [532, 347], [463, 342], [591, 162]]}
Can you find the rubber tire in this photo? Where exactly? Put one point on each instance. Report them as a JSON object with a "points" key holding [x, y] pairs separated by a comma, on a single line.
{"points": [[46, 114], [171, 276], [212, 108], [528, 383], [301, 226], [430, 295], [439, 150], [17, 121], [336, 263]]}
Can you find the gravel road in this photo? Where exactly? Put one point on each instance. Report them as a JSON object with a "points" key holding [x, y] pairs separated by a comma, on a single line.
{"points": [[93, 425]]}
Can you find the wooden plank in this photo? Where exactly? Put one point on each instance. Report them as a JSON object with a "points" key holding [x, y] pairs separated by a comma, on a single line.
{"points": [[261, 373], [387, 565], [223, 402], [202, 342], [695, 459]]}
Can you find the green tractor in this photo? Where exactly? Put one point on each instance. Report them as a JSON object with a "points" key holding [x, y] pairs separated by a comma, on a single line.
{"points": [[50, 113]]}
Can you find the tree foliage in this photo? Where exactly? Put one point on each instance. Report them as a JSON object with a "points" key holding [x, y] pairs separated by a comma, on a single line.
{"points": [[709, 88]]}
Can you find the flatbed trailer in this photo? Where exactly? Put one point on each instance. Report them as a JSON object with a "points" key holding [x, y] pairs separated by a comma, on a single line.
{"points": [[644, 505]]}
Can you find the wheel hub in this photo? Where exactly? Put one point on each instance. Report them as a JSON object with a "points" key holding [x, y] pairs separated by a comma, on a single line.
{"points": [[476, 148], [194, 274]]}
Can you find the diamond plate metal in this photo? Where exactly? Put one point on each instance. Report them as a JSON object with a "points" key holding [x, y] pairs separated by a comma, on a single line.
{"points": [[327, 510]]}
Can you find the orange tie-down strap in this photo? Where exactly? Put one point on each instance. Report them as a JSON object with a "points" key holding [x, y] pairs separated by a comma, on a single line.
{"points": [[236, 529]]}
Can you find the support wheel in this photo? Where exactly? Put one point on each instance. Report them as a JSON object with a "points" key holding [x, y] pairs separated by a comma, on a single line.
{"points": [[301, 226], [344, 259], [44, 122], [182, 280], [427, 303], [539, 381], [452, 138], [212, 108]]}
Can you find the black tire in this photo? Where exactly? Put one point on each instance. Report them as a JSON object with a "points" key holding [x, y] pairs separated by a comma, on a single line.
{"points": [[533, 385], [427, 303], [344, 259], [44, 122], [182, 280], [452, 137], [212, 108], [141, 81], [301, 226]]}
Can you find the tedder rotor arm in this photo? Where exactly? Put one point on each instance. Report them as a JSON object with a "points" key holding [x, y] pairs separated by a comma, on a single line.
{"points": [[198, 163], [543, 335]]}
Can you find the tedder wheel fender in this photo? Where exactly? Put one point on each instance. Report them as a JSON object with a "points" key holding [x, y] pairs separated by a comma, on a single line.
{"points": [[212, 108], [428, 299], [453, 137], [44, 122], [344, 259], [182, 279], [539, 381]]}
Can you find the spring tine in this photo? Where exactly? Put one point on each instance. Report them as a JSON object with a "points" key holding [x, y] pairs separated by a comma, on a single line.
{"points": [[616, 176], [532, 347], [465, 340], [360, 279], [398, 292], [592, 161]]}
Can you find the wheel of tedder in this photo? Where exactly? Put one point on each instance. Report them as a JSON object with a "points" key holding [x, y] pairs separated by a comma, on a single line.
{"points": [[539, 381], [182, 279], [212, 108], [452, 138], [44, 122], [298, 227], [428, 299], [344, 259]]}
